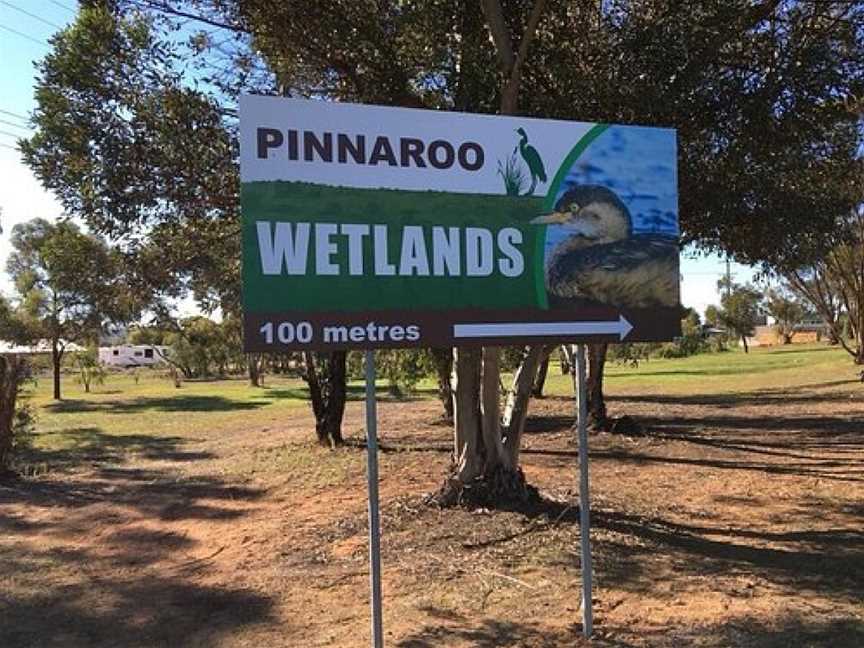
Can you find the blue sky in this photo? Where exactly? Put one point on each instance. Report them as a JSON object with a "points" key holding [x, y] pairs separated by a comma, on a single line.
{"points": [[22, 197]]}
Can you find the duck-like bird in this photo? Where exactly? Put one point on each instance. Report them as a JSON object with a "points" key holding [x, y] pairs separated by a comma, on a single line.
{"points": [[533, 160], [601, 260]]}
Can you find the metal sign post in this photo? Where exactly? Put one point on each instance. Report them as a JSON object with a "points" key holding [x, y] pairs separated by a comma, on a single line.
{"points": [[374, 523], [584, 504]]}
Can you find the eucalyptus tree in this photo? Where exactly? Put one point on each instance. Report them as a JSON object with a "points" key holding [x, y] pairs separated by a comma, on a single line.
{"points": [[833, 285], [740, 311], [139, 141], [787, 310], [68, 285]]}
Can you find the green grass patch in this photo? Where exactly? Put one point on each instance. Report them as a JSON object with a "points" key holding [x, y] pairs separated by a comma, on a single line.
{"points": [[764, 368], [152, 419]]}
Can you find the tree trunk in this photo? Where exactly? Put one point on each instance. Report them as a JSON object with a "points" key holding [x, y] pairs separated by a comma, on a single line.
{"points": [[516, 409], [56, 358], [744, 342], [542, 372], [859, 340], [175, 376], [490, 409], [325, 375], [12, 372], [476, 374], [444, 368], [564, 358], [253, 363], [467, 443], [597, 417]]}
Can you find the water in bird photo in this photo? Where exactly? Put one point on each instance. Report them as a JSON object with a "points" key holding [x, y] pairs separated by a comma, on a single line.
{"points": [[612, 231]]}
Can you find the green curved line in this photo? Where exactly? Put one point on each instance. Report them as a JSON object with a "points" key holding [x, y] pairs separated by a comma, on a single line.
{"points": [[568, 162], [549, 203]]}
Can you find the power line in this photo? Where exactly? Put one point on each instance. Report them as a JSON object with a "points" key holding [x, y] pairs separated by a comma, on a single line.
{"points": [[23, 35], [14, 125], [32, 15], [12, 114], [15, 135], [7, 146], [63, 6]]}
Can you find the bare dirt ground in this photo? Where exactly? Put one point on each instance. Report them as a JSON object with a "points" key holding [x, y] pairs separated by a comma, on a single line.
{"points": [[735, 521]]}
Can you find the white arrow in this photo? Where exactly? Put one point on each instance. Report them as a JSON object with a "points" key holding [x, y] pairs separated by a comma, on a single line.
{"points": [[621, 328]]}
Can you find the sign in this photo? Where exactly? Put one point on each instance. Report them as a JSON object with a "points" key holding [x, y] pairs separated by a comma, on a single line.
{"points": [[370, 227]]}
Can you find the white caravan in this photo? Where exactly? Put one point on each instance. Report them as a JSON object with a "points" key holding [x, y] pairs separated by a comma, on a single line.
{"points": [[132, 355]]}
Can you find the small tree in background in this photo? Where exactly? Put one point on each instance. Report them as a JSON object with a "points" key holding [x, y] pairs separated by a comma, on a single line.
{"points": [[739, 312], [692, 340], [787, 311], [90, 370], [833, 284], [68, 285]]}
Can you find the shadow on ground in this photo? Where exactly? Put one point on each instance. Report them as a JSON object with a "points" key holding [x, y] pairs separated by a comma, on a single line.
{"points": [[85, 446], [491, 633], [791, 630], [146, 608], [84, 566], [179, 403], [156, 493]]}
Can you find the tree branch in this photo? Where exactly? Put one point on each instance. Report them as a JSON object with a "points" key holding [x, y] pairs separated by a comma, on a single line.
{"points": [[500, 34], [511, 64], [527, 38]]}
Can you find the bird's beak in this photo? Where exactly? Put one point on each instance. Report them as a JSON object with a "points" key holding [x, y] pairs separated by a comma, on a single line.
{"points": [[552, 218]]}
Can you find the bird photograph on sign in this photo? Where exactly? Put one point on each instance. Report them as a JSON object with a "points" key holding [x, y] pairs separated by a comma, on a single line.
{"points": [[614, 240]]}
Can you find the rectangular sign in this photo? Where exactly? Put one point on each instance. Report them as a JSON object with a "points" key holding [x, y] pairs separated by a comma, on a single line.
{"points": [[366, 227]]}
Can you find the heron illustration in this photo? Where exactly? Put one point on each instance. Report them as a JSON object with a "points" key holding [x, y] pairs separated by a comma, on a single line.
{"points": [[532, 159], [601, 260]]}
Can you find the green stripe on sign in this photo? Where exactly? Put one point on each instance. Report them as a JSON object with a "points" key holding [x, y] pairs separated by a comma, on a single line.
{"points": [[320, 276]]}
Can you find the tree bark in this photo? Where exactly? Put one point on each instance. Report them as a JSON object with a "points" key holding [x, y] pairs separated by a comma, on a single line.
{"points": [[444, 367], [490, 409], [467, 444], [12, 372], [542, 372], [56, 358], [325, 375], [564, 358], [597, 417], [516, 409], [744, 342], [253, 363], [511, 62]]}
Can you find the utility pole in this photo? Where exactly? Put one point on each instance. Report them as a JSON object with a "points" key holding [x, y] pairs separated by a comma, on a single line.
{"points": [[728, 277]]}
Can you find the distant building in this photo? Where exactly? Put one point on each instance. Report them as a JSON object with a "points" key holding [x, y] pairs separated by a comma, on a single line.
{"points": [[42, 347], [132, 355], [810, 330]]}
